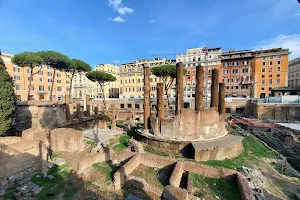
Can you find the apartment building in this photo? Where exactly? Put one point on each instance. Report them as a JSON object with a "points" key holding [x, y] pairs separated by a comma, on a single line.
{"points": [[209, 58], [41, 83], [269, 70], [294, 73], [111, 89], [132, 78], [236, 70], [82, 86]]}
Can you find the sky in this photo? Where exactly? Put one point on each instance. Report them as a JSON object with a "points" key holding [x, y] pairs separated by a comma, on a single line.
{"points": [[104, 31]]}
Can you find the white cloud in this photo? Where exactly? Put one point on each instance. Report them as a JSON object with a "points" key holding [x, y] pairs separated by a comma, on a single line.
{"points": [[124, 10], [298, 13], [151, 21], [119, 7], [118, 19], [285, 41]]}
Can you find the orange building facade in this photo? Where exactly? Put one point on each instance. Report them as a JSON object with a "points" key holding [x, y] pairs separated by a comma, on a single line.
{"points": [[269, 70], [236, 72], [41, 83]]}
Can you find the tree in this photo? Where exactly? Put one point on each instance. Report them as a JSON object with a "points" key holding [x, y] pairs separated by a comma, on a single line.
{"points": [[31, 60], [167, 73], [101, 78], [75, 66], [7, 99], [55, 60]]}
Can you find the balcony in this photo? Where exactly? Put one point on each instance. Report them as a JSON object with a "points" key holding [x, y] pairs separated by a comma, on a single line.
{"points": [[246, 82]]}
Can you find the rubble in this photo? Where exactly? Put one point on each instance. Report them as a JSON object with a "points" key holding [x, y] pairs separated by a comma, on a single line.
{"points": [[59, 161]]}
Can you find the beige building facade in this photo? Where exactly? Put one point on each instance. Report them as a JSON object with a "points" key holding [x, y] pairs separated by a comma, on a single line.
{"points": [[41, 83], [111, 89], [132, 78], [294, 73]]}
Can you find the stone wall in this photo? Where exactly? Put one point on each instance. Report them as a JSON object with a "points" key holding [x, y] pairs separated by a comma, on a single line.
{"points": [[66, 139], [39, 114], [176, 174], [20, 159], [191, 125]]}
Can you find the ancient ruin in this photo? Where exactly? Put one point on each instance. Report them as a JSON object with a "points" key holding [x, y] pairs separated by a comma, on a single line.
{"points": [[199, 133]]}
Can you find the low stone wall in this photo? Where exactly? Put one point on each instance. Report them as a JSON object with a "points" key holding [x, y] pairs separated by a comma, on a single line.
{"points": [[10, 140], [121, 175], [219, 153]]}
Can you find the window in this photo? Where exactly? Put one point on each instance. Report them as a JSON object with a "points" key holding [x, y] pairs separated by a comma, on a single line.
{"points": [[262, 88], [263, 70], [270, 81], [17, 87], [278, 69], [225, 71], [49, 88], [40, 72], [245, 62], [270, 69], [16, 69], [67, 82], [235, 71], [263, 63], [41, 88], [29, 70], [49, 80], [188, 71], [59, 88], [225, 64], [271, 57], [270, 88], [139, 80], [151, 79], [263, 76], [17, 77], [263, 81], [188, 78], [245, 70], [235, 63], [270, 75], [279, 56], [58, 75], [49, 73], [271, 62], [278, 75], [264, 58], [278, 81], [58, 81], [41, 79], [132, 80], [30, 78]]}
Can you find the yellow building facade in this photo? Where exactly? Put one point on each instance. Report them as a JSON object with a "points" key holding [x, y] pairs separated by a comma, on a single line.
{"points": [[269, 70], [132, 78], [41, 83], [111, 89]]}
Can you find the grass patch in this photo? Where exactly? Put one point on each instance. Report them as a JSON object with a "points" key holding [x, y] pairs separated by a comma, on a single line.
{"points": [[107, 169], [9, 192], [54, 155], [90, 142], [224, 189], [253, 149], [283, 171], [123, 143]]}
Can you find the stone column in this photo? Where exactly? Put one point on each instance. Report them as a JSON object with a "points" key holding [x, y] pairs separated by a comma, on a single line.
{"points": [[78, 108], [67, 103], [179, 88], [96, 110], [88, 105], [214, 99], [160, 100], [199, 104], [146, 96], [222, 98]]}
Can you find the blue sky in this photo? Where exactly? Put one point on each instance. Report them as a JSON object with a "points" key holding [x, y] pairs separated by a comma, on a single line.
{"points": [[101, 31]]}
